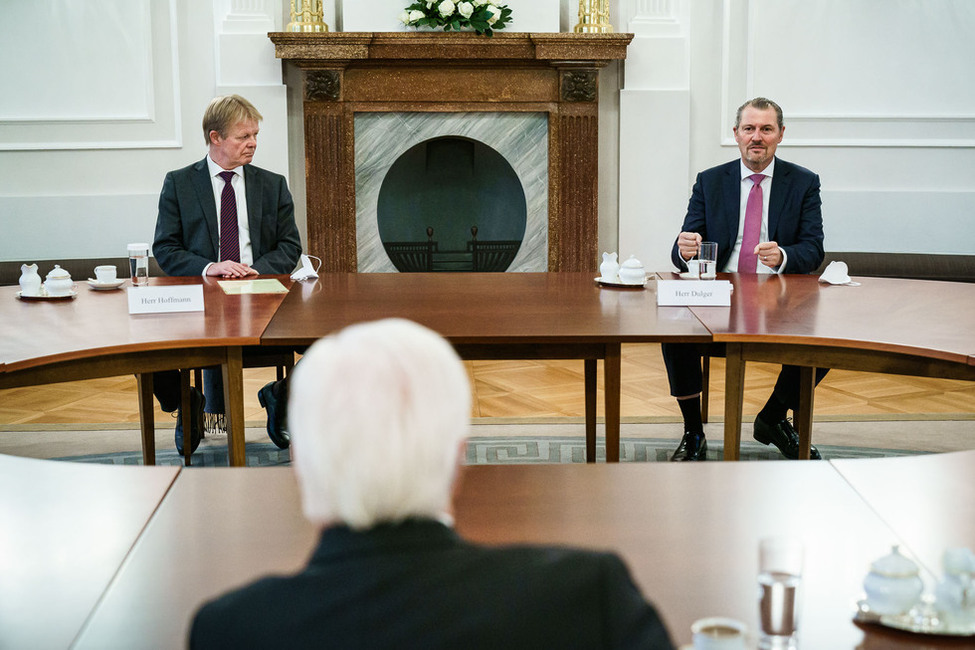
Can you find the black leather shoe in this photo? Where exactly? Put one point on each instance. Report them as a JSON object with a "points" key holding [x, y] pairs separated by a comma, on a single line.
{"points": [[693, 446], [782, 435], [197, 402], [277, 416]]}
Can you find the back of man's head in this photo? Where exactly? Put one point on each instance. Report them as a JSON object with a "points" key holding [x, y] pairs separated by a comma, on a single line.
{"points": [[377, 414]]}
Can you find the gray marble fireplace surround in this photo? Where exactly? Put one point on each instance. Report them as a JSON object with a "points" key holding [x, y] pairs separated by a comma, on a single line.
{"points": [[382, 137]]}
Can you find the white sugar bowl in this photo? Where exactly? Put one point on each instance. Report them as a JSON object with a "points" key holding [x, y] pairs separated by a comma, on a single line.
{"points": [[632, 272], [893, 585], [58, 282]]}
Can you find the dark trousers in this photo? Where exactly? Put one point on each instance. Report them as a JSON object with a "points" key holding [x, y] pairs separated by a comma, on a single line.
{"points": [[165, 386], [683, 362]]}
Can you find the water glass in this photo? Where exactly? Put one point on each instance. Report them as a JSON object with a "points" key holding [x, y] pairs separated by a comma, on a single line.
{"points": [[779, 576], [707, 255], [139, 264]]}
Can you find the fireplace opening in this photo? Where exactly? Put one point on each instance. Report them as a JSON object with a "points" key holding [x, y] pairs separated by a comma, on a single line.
{"points": [[451, 204]]}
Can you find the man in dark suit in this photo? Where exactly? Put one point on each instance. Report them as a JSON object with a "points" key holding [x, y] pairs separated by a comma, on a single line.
{"points": [[765, 215], [379, 413], [224, 217]]}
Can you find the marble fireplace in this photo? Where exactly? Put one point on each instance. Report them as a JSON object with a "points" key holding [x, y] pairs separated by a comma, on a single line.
{"points": [[369, 98]]}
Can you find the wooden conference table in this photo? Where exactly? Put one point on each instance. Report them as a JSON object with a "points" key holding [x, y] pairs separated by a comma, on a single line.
{"points": [[65, 528], [497, 316], [221, 528], [910, 327], [486, 316], [93, 336], [898, 326]]}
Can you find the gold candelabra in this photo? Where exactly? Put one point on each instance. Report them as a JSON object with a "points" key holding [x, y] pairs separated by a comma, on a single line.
{"points": [[593, 17], [307, 16]]}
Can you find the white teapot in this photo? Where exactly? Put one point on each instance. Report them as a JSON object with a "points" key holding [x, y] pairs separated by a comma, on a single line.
{"points": [[632, 272], [30, 281], [58, 282], [893, 585]]}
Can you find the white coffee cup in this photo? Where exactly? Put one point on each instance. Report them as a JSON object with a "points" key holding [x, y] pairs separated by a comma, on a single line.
{"points": [[694, 268], [717, 633], [106, 273]]}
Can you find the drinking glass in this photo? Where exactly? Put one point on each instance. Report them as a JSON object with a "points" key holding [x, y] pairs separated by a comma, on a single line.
{"points": [[779, 576], [708, 255], [139, 264]]}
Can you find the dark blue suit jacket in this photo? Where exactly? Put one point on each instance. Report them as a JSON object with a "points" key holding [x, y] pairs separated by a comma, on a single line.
{"points": [[795, 218], [419, 585], [187, 237]]}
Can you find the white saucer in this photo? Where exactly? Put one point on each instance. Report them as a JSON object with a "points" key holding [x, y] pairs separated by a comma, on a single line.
{"points": [[104, 286]]}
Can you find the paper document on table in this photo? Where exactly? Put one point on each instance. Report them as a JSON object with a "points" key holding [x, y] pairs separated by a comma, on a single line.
{"points": [[266, 285]]}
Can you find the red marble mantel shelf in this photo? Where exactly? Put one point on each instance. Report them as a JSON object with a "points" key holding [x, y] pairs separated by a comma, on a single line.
{"points": [[311, 48]]}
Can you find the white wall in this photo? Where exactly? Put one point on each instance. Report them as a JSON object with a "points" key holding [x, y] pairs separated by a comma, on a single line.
{"points": [[879, 100], [100, 100]]}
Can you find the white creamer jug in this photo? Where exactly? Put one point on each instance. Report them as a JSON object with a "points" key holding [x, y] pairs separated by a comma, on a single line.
{"points": [[30, 280], [610, 268]]}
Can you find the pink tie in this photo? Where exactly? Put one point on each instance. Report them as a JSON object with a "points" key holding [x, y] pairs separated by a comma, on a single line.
{"points": [[229, 234], [747, 259]]}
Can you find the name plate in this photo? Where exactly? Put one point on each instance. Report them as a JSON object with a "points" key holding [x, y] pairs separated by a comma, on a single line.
{"points": [[685, 293], [167, 299]]}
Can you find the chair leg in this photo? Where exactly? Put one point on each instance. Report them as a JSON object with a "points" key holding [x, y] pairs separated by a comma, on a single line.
{"points": [[705, 377], [285, 368], [186, 413]]}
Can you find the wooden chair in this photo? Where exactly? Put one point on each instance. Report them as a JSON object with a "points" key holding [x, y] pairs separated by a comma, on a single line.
{"points": [[281, 358]]}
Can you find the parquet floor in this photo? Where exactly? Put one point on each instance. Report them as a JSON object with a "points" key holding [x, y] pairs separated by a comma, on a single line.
{"points": [[531, 389]]}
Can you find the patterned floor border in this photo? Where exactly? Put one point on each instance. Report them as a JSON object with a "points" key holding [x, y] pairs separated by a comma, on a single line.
{"points": [[501, 450], [506, 450]]}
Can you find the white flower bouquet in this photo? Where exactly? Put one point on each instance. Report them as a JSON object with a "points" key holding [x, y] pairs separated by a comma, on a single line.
{"points": [[483, 16]]}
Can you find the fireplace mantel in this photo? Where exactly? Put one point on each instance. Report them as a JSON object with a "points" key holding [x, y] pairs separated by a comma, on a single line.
{"points": [[309, 50], [345, 73]]}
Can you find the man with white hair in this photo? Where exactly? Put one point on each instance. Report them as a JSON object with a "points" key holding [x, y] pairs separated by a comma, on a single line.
{"points": [[378, 414]]}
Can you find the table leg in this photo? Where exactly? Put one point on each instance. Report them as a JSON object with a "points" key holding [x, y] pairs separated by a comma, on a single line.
{"points": [[807, 394], [590, 374], [733, 397], [147, 418], [233, 386], [186, 413], [611, 385]]}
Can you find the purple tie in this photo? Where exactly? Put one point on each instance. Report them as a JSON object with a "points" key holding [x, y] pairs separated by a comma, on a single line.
{"points": [[229, 234], [747, 259]]}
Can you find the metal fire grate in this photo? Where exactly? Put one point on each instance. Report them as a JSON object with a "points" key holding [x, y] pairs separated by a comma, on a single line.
{"points": [[480, 256]]}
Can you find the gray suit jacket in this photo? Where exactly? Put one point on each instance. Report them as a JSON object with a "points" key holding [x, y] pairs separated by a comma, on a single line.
{"points": [[187, 237], [795, 218]]}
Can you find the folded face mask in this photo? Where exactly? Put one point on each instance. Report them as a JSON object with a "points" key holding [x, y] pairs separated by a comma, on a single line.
{"points": [[836, 273], [307, 271]]}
